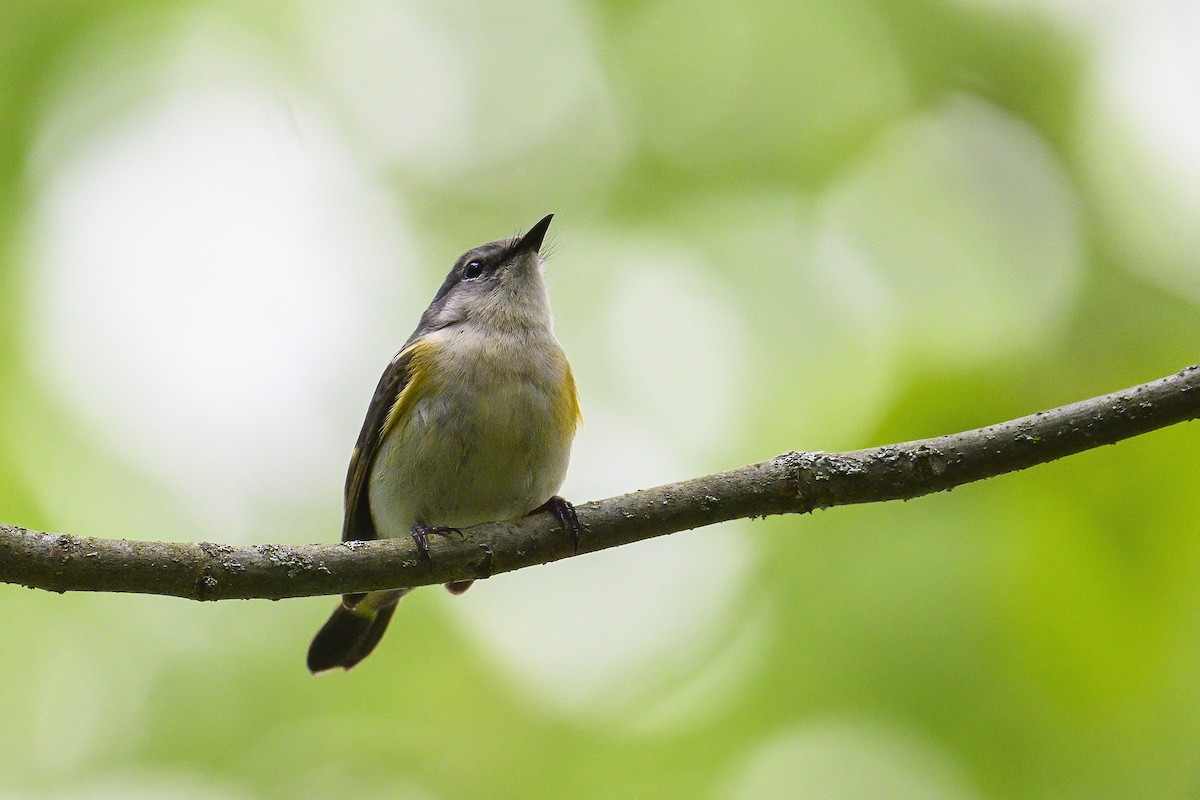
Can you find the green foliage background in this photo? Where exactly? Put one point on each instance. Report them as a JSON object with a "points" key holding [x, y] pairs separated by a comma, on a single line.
{"points": [[780, 225]]}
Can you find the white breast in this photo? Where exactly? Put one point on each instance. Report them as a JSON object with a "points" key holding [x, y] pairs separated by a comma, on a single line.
{"points": [[482, 444]]}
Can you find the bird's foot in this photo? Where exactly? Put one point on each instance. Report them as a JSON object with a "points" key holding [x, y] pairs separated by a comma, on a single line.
{"points": [[421, 533], [564, 512]]}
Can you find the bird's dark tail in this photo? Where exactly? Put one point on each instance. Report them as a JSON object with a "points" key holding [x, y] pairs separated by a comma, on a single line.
{"points": [[353, 631]]}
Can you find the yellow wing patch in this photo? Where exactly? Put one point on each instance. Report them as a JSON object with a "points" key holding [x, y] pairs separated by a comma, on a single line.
{"points": [[420, 374]]}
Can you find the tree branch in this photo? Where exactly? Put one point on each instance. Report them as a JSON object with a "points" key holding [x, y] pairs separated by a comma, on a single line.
{"points": [[790, 483]]}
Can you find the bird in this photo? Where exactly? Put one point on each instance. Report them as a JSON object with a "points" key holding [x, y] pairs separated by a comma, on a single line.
{"points": [[472, 421]]}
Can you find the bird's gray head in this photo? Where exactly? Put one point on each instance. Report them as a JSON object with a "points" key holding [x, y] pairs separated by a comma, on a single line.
{"points": [[498, 283]]}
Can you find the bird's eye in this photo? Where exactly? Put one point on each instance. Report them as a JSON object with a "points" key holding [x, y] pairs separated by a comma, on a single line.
{"points": [[472, 271]]}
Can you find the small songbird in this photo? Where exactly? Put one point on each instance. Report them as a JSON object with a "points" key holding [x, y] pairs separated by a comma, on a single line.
{"points": [[471, 422]]}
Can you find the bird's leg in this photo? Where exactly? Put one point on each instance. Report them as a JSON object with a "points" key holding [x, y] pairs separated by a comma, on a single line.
{"points": [[420, 535], [564, 512]]}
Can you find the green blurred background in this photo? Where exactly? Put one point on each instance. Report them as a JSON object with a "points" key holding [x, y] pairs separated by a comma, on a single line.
{"points": [[794, 224]]}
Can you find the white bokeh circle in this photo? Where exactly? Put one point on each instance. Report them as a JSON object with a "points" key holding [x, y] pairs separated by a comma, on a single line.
{"points": [[969, 222], [202, 276], [849, 759], [1137, 136]]}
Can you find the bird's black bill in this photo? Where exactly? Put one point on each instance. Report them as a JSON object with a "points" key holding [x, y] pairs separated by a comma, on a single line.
{"points": [[533, 239]]}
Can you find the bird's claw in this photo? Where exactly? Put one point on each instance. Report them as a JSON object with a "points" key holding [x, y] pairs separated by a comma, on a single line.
{"points": [[568, 520], [420, 535]]}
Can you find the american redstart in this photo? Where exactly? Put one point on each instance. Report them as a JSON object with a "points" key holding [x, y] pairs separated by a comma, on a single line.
{"points": [[471, 422]]}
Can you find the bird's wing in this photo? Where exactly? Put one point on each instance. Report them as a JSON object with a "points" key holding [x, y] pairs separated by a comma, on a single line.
{"points": [[396, 385]]}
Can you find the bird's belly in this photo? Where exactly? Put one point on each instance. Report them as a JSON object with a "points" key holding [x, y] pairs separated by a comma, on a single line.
{"points": [[470, 454]]}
